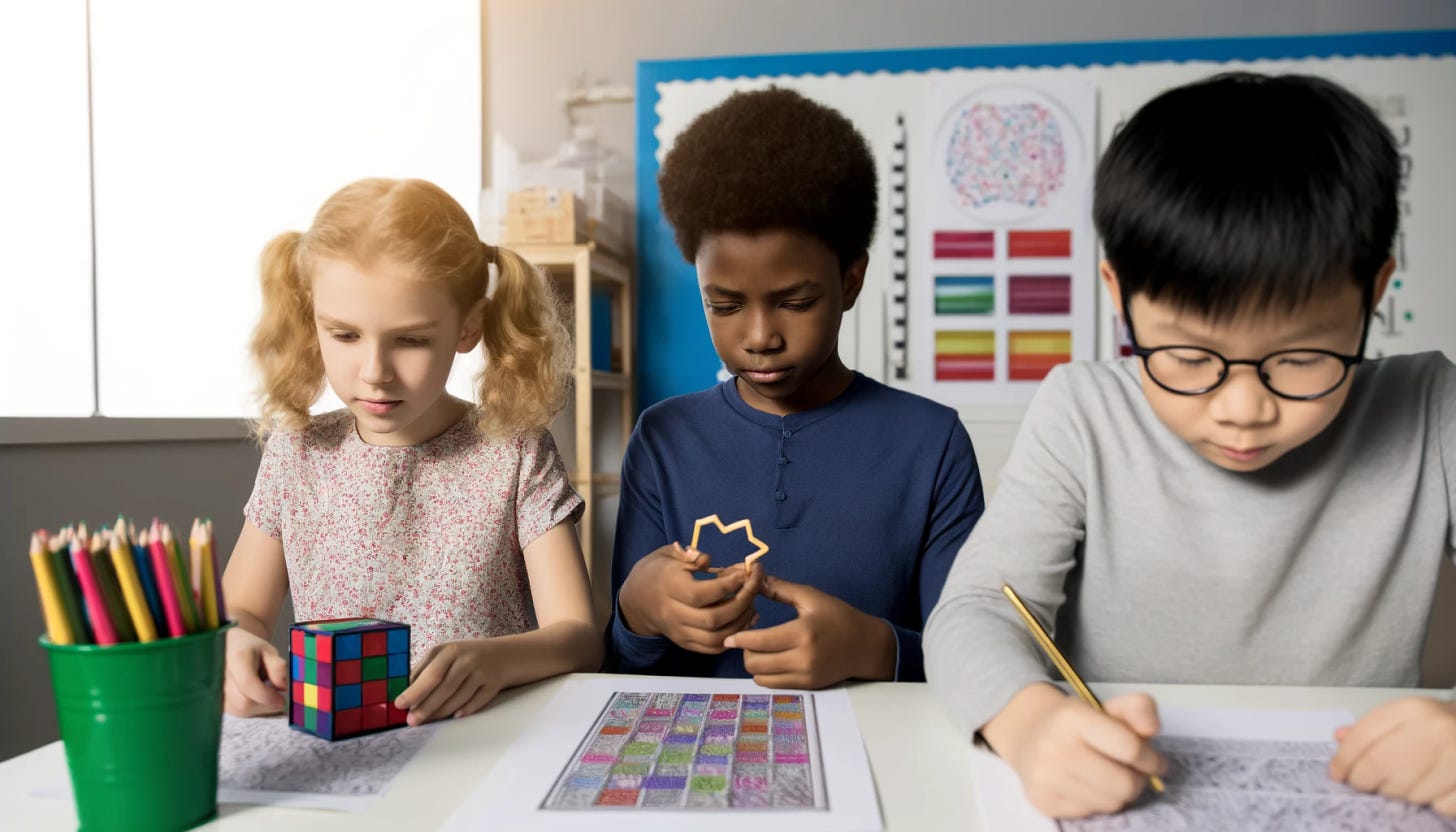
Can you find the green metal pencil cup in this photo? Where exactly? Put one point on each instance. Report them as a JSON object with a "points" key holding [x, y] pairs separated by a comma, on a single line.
{"points": [[141, 724]]}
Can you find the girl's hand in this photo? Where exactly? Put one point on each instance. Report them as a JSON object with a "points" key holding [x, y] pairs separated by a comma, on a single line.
{"points": [[1405, 750], [457, 678], [252, 665]]}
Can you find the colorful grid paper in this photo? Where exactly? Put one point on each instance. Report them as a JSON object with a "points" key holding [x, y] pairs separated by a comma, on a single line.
{"points": [[696, 751]]}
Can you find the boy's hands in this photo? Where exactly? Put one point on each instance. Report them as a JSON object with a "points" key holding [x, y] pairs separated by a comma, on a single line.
{"points": [[661, 597], [1073, 761], [1404, 749], [250, 658], [828, 642], [457, 678]]}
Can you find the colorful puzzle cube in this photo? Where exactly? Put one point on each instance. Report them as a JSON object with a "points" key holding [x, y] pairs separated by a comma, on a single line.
{"points": [[344, 674]]}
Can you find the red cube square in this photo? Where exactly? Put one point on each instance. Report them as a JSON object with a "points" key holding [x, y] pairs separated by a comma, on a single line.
{"points": [[296, 641], [374, 716], [347, 673], [298, 691], [325, 699], [346, 722], [323, 648], [376, 693], [396, 716], [376, 643]]}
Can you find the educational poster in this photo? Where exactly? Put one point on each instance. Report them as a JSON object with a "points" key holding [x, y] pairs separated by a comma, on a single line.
{"points": [[681, 753], [1007, 285], [979, 279], [700, 751]]}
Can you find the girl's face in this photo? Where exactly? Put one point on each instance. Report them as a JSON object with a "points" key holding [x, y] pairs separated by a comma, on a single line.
{"points": [[388, 342]]}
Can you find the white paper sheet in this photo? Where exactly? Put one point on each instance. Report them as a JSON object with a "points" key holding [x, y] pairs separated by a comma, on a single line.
{"points": [[530, 779], [1230, 769]]}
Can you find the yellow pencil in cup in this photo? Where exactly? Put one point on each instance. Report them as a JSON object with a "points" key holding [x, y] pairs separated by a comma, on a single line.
{"points": [[57, 627], [1063, 666], [131, 586]]}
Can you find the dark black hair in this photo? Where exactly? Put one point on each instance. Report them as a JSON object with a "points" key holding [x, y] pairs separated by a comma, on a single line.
{"points": [[771, 159], [1246, 188]]}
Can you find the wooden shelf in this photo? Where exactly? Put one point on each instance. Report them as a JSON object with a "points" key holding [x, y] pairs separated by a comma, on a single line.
{"points": [[581, 268], [561, 261]]}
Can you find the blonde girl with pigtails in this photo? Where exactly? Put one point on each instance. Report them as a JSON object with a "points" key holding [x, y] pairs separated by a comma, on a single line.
{"points": [[409, 504]]}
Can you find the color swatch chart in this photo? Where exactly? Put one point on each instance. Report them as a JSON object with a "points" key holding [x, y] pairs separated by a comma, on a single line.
{"points": [[697, 751]]}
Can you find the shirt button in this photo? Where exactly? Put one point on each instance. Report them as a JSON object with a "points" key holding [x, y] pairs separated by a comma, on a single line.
{"points": [[788, 433], [779, 495], [783, 460]]}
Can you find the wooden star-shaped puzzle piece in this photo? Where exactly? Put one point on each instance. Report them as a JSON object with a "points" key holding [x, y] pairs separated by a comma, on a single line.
{"points": [[761, 547]]}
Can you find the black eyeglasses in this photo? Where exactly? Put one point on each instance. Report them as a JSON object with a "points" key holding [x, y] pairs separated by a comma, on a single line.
{"points": [[1300, 374]]}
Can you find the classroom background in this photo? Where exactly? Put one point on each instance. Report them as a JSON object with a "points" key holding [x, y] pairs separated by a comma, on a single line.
{"points": [[55, 470]]}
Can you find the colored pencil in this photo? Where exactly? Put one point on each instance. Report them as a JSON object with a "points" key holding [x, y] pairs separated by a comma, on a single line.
{"points": [[210, 543], [149, 581], [110, 584], [202, 575], [70, 589], [58, 627], [184, 584], [131, 587], [91, 591], [166, 585]]}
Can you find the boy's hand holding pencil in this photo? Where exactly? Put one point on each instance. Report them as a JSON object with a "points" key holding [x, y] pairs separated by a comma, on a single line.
{"points": [[1076, 757]]}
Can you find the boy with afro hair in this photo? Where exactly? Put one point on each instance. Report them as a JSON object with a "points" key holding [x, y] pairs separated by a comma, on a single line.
{"points": [[864, 493]]}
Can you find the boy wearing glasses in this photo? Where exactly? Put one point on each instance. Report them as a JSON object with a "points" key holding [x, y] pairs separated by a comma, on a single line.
{"points": [[1247, 500]]}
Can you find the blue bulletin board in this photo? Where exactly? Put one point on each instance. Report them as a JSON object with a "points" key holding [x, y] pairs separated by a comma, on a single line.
{"points": [[898, 97]]}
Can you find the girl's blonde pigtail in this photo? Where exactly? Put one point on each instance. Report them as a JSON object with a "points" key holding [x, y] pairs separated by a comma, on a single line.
{"points": [[285, 346], [528, 356]]}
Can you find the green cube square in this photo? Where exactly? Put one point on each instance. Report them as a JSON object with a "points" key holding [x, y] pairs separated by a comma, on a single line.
{"points": [[310, 650], [310, 671], [396, 686], [376, 668], [310, 719]]}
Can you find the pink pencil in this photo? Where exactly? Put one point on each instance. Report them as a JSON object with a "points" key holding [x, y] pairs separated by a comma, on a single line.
{"points": [[166, 587], [91, 591]]}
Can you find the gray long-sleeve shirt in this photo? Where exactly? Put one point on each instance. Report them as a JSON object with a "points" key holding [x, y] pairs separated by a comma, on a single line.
{"points": [[1158, 566]]}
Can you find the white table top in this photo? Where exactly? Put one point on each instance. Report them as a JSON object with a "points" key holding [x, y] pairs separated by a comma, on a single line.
{"points": [[920, 767]]}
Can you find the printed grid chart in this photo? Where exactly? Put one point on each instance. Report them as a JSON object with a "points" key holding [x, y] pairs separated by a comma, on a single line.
{"points": [[696, 751]]}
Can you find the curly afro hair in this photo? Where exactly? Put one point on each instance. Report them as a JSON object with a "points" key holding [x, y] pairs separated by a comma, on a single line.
{"points": [[771, 159]]}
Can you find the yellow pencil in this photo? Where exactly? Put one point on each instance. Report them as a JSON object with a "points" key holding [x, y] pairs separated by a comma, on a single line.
{"points": [[202, 580], [131, 587], [57, 627], [1063, 666]]}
